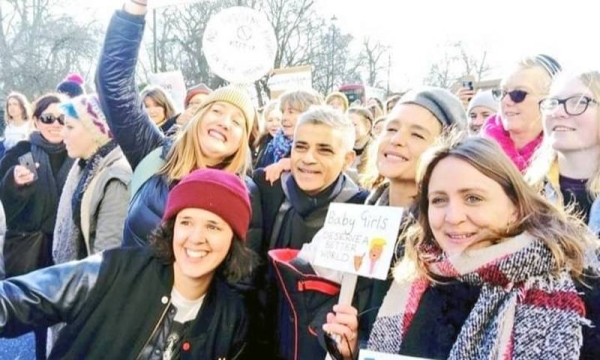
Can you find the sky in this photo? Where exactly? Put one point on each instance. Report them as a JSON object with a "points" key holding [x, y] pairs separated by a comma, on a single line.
{"points": [[416, 30]]}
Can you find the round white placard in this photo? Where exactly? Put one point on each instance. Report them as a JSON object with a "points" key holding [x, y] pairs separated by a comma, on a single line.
{"points": [[239, 45]]}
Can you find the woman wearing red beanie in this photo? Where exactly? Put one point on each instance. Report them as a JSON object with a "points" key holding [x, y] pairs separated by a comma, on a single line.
{"points": [[170, 301]]}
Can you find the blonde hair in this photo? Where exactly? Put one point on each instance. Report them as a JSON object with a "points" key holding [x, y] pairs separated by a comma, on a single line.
{"points": [[377, 242], [337, 95], [185, 154], [544, 81], [23, 102], [300, 100], [161, 98], [569, 240], [545, 158], [273, 105]]}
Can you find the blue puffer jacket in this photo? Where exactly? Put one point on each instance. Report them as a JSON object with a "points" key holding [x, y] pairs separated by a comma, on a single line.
{"points": [[136, 134]]}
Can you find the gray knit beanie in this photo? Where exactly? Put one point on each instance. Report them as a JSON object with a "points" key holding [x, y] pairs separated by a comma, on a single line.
{"points": [[485, 99], [444, 105]]}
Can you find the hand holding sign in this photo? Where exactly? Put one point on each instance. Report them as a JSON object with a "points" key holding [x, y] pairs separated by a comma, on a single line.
{"points": [[355, 240]]}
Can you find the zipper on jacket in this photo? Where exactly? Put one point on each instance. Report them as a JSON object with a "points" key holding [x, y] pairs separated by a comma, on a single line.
{"points": [[239, 353], [160, 320]]}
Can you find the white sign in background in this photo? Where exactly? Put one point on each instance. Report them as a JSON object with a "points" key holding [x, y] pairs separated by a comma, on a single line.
{"points": [[174, 84], [239, 45], [358, 239], [291, 78]]}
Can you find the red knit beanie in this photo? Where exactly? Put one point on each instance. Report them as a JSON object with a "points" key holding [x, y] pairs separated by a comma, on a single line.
{"points": [[217, 191], [195, 90]]}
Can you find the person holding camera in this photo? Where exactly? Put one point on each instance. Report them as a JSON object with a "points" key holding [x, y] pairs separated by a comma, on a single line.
{"points": [[34, 173]]}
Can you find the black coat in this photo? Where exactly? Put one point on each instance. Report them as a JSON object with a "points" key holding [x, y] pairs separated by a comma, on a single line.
{"points": [[23, 205], [291, 219], [309, 212], [114, 304]]}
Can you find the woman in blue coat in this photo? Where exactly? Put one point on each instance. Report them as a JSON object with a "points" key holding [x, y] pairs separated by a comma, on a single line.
{"points": [[216, 137]]}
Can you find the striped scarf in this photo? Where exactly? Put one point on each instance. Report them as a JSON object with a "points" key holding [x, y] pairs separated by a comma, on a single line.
{"points": [[523, 311]]}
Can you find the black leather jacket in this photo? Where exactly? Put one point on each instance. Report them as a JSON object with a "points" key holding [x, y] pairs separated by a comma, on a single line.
{"points": [[117, 306]]}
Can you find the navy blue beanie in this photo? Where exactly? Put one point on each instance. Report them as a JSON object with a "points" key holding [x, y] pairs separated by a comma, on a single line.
{"points": [[70, 88]]}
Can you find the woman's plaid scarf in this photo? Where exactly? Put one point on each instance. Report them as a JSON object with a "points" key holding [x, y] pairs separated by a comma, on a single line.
{"points": [[523, 311]]}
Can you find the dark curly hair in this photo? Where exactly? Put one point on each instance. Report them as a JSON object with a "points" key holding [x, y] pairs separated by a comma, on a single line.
{"points": [[238, 265]]}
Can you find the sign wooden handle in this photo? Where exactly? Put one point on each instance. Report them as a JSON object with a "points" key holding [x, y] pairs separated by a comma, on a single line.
{"points": [[347, 289]]}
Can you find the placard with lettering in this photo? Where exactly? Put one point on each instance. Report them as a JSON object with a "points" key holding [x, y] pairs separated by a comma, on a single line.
{"points": [[239, 44], [358, 239], [174, 84]]}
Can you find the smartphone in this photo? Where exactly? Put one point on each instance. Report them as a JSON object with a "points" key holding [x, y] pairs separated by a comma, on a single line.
{"points": [[27, 161], [468, 82], [467, 85]]}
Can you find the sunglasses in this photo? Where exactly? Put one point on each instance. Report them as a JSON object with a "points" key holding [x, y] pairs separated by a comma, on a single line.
{"points": [[50, 119], [516, 96]]}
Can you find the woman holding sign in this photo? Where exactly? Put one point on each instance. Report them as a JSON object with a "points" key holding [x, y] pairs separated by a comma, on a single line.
{"points": [[216, 137], [492, 269]]}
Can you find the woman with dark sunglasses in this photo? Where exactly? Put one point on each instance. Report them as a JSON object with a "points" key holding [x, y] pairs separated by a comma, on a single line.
{"points": [[517, 127], [567, 166], [30, 194]]}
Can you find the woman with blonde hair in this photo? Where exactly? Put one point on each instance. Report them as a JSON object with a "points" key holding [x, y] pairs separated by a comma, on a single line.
{"points": [[492, 270], [272, 125], [17, 117], [568, 162], [338, 101], [517, 127], [216, 137], [363, 145]]}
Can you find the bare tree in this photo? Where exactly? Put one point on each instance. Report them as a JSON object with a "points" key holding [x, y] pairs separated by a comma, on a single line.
{"points": [[457, 60], [303, 36], [38, 47], [372, 58]]}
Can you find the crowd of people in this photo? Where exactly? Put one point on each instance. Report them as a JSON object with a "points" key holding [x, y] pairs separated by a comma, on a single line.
{"points": [[131, 231]]}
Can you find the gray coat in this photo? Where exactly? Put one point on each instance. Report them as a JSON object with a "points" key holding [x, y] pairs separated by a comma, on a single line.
{"points": [[103, 208]]}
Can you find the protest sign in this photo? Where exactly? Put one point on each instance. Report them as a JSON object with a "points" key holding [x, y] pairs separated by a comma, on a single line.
{"points": [[358, 239], [174, 84], [281, 80], [239, 45]]}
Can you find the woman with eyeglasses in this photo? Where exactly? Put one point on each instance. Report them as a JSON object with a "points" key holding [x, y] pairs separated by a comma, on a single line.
{"points": [[517, 127], [567, 166], [30, 194]]}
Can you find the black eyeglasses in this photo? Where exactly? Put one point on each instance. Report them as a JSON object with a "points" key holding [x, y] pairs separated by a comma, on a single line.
{"points": [[50, 119], [574, 105], [516, 96]]}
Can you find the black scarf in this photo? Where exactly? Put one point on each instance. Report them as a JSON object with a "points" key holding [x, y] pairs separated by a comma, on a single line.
{"points": [[89, 168], [53, 183], [304, 204], [307, 213]]}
